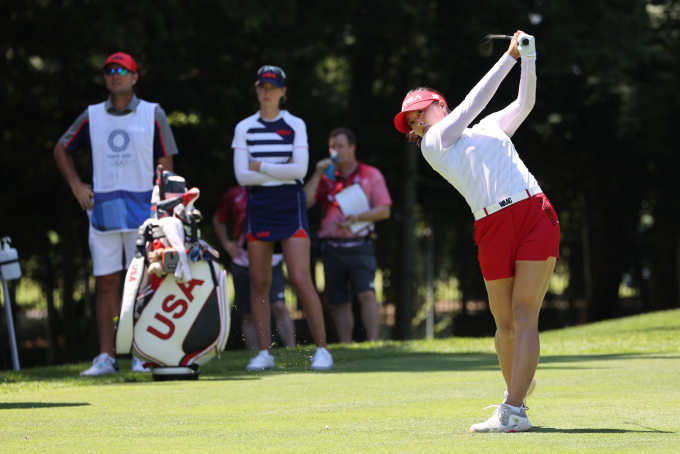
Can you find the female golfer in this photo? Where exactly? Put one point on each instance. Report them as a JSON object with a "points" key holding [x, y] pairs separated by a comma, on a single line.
{"points": [[271, 155], [516, 229]]}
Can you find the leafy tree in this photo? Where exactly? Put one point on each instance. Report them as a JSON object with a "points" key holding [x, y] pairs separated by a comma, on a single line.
{"points": [[600, 139]]}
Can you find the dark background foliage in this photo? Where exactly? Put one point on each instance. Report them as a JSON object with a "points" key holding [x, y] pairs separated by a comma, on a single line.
{"points": [[599, 139]]}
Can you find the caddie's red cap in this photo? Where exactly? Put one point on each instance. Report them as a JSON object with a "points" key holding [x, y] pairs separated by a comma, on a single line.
{"points": [[123, 60], [415, 101]]}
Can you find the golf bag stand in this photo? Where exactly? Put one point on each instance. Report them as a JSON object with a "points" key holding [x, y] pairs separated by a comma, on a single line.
{"points": [[175, 306], [9, 271]]}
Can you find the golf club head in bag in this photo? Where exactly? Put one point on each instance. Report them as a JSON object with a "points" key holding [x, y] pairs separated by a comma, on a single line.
{"points": [[168, 186]]}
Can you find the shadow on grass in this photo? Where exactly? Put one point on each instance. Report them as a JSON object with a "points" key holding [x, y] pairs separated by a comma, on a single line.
{"points": [[230, 378], [28, 405], [601, 357], [386, 358], [540, 429], [649, 429], [348, 360]]}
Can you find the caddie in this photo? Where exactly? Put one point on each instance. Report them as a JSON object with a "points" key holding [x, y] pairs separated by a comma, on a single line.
{"points": [[127, 137]]}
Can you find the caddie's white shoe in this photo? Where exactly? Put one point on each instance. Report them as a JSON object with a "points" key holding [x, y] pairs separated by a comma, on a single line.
{"points": [[102, 364], [138, 365], [503, 420], [263, 361], [532, 386], [322, 359]]}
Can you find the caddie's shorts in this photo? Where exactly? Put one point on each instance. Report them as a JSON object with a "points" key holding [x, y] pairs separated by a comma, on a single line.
{"points": [[241, 277], [356, 265], [111, 252], [275, 213], [527, 230]]}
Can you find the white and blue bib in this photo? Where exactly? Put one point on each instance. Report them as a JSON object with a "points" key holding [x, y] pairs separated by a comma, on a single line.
{"points": [[123, 167]]}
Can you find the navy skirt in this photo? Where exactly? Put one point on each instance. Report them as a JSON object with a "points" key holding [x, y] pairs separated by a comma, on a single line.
{"points": [[275, 213]]}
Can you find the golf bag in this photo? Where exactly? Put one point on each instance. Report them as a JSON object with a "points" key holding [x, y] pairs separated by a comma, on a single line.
{"points": [[175, 307]]}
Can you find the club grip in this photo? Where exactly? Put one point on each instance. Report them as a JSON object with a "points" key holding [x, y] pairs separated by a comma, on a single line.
{"points": [[160, 182]]}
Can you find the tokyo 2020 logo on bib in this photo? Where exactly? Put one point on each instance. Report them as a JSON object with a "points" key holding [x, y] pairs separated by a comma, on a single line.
{"points": [[118, 163], [118, 140]]}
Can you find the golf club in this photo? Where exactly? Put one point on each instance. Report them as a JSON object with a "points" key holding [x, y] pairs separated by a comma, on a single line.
{"points": [[486, 44], [160, 181]]}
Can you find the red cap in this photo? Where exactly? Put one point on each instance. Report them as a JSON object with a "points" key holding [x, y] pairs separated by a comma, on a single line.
{"points": [[415, 101], [123, 60]]}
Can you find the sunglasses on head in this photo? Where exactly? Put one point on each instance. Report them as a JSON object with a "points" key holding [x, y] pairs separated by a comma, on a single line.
{"points": [[112, 71]]}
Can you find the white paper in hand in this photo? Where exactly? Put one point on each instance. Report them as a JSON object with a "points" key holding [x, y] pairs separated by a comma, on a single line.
{"points": [[352, 200]]}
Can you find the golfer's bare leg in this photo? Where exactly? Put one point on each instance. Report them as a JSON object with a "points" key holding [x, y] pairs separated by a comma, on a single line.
{"points": [[370, 315], [284, 324], [344, 321], [296, 251], [248, 331], [107, 304], [531, 283], [500, 303], [260, 258]]}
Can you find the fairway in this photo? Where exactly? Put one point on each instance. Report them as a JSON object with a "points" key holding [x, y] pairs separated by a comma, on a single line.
{"points": [[606, 387]]}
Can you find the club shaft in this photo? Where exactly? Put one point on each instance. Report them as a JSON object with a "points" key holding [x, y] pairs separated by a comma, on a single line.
{"points": [[525, 41]]}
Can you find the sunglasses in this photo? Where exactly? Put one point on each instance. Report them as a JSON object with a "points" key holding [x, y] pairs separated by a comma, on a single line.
{"points": [[113, 71]]}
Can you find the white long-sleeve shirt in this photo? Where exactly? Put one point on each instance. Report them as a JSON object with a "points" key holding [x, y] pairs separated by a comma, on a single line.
{"points": [[481, 162], [272, 142]]}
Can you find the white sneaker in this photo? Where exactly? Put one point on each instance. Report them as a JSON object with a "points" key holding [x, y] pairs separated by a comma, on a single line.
{"points": [[102, 364], [532, 386], [322, 359], [138, 365], [503, 420], [263, 361]]}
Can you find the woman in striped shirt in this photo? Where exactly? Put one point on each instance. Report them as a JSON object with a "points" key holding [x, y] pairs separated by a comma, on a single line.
{"points": [[271, 155]]}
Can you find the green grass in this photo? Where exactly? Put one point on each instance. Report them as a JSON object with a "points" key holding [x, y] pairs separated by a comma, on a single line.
{"points": [[606, 387]]}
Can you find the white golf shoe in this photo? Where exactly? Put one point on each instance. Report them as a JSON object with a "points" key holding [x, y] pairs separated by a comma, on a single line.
{"points": [[503, 420], [138, 365], [322, 360], [263, 361], [102, 364], [532, 386]]}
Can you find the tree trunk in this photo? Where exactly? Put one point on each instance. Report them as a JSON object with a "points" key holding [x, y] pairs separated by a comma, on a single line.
{"points": [[409, 197], [68, 272], [607, 253], [48, 287]]}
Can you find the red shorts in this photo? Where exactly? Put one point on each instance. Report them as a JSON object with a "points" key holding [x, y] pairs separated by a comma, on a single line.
{"points": [[526, 230]]}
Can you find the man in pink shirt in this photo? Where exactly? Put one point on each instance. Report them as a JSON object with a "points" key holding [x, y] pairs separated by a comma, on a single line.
{"points": [[348, 256]]}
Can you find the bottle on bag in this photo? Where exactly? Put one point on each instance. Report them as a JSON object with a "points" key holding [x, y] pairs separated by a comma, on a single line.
{"points": [[330, 170]]}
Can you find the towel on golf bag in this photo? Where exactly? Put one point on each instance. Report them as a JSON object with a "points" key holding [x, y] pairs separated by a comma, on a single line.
{"points": [[174, 232]]}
